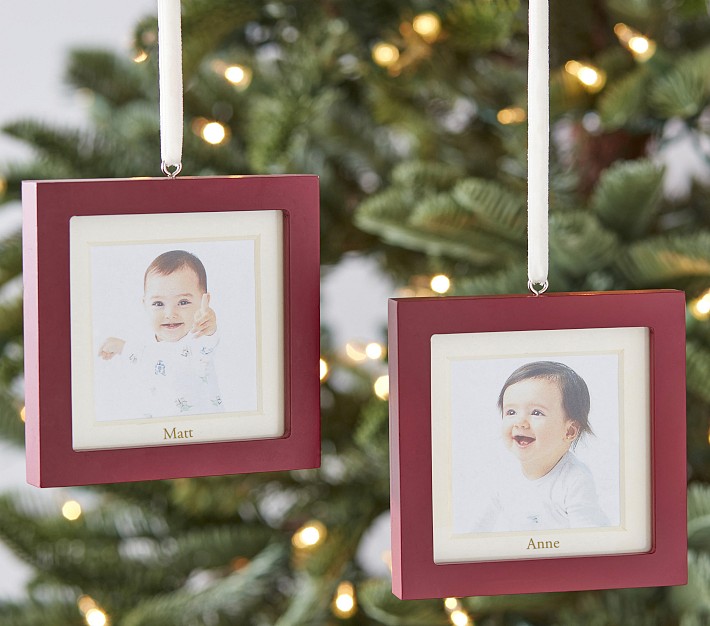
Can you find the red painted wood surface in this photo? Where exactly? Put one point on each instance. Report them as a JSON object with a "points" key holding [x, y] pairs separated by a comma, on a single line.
{"points": [[47, 208], [413, 321]]}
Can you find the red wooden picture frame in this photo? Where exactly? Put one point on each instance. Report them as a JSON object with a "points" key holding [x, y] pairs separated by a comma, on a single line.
{"points": [[48, 207], [413, 322]]}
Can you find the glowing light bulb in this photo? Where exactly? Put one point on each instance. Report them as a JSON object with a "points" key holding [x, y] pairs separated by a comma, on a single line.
{"points": [[385, 54], [71, 510], [355, 352], [440, 283], [214, 133], [96, 617], [512, 115], [22, 414], [323, 370], [382, 387], [640, 46], [141, 57], [701, 307], [374, 351], [309, 535], [85, 604], [344, 604], [592, 78], [238, 75], [451, 604], [428, 26], [459, 618]]}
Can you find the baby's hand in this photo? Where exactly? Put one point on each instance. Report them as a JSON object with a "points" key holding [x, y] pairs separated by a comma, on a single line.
{"points": [[111, 347], [205, 319]]}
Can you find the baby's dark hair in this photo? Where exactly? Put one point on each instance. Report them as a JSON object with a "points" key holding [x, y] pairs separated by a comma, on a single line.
{"points": [[175, 260], [575, 394]]}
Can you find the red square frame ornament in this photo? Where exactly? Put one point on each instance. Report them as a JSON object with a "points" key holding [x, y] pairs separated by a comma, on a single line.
{"points": [[421, 498], [68, 225]]}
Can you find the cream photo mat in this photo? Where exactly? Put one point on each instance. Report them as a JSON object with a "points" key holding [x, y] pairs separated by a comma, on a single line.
{"points": [[630, 531], [253, 409]]}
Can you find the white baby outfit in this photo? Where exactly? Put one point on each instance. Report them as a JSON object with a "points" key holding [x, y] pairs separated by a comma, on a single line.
{"points": [[174, 378], [565, 497]]}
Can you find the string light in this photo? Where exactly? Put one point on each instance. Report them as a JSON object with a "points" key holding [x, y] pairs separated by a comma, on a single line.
{"points": [[700, 308], [382, 387], [344, 604], [385, 54], [428, 26], [640, 46], [96, 617], [239, 75], [141, 57], [512, 115], [440, 283], [93, 615], [71, 510], [355, 352], [374, 351], [22, 414], [451, 604], [386, 557], [85, 604], [324, 369], [592, 78], [310, 535], [213, 133], [459, 618]]}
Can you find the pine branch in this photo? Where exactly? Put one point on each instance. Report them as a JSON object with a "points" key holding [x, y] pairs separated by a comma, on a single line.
{"points": [[500, 212], [579, 244], [684, 90], [480, 25], [426, 176], [378, 602], [116, 80], [699, 517], [40, 614], [310, 603], [694, 598], [234, 596], [625, 100], [672, 260], [440, 214], [698, 369], [628, 196]]}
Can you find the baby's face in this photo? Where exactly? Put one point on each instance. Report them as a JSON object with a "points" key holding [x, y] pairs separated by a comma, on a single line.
{"points": [[171, 302], [535, 425]]}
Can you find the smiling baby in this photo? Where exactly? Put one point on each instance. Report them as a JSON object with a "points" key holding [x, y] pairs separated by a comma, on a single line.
{"points": [[545, 411]]}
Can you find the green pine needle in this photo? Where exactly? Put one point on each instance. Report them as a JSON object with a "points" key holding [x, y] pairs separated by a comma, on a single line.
{"points": [[628, 196]]}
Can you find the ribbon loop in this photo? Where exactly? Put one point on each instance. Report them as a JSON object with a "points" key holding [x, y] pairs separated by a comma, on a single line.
{"points": [[170, 81], [538, 142]]}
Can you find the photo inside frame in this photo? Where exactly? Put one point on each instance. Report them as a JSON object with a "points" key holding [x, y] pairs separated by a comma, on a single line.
{"points": [[540, 444], [176, 335], [151, 360]]}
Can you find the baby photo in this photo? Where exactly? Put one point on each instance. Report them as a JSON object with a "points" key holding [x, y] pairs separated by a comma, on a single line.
{"points": [[535, 443], [174, 329]]}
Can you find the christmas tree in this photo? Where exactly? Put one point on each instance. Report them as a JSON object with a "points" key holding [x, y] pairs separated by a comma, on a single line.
{"points": [[412, 112]]}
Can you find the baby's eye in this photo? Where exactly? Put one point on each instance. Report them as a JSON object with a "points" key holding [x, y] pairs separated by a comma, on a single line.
{"points": [[184, 302], [510, 412], [537, 412], [157, 303]]}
